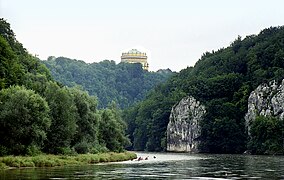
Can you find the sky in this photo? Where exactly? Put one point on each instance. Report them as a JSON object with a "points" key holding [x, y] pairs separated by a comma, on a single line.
{"points": [[173, 33]]}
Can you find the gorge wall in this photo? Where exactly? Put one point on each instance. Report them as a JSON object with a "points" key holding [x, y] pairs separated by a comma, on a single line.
{"points": [[266, 100], [184, 128]]}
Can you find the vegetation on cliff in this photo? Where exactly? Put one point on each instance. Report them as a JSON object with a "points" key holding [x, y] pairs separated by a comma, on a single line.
{"points": [[221, 80], [40, 115], [267, 136]]}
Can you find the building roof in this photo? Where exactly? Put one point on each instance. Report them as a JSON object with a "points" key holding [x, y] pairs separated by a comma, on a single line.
{"points": [[134, 51]]}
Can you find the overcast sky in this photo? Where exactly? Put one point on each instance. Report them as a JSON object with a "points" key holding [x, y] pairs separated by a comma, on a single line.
{"points": [[173, 33]]}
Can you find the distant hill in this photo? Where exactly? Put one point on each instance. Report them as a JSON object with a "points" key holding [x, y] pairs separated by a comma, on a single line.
{"points": [[123, 83], [221, 80]]}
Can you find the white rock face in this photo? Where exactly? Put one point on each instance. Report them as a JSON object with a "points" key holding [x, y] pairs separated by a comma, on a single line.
{"points": [[183, 129], [266, 100]]}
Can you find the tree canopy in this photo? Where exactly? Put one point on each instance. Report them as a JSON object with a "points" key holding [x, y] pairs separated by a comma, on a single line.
{"points": [[24, 120]]}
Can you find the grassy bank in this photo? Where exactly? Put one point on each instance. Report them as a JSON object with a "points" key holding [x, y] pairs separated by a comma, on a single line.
{"points": [[62, 160]]}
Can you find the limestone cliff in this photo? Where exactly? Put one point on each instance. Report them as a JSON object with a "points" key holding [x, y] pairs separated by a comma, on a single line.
{"points": [[267, 100], [183, 129]]}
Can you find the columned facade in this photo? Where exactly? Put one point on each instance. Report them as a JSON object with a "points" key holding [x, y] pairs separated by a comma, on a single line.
{"points": [[135, 56]]}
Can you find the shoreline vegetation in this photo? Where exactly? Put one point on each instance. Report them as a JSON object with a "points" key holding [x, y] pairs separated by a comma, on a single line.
{"points": [[48, 160]]}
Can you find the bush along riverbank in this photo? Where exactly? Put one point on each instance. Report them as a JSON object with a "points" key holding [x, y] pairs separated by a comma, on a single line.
{"points": [[8, 162]]}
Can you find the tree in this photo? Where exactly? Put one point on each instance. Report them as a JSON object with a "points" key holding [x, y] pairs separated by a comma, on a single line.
{"points": [[267, 135], [9, 35], [10, 69], [112, 130], [63, 119], [24, 121], [87, 119]]}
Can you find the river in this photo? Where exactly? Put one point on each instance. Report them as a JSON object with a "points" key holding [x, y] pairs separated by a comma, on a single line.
{"points": [[165, 166]]}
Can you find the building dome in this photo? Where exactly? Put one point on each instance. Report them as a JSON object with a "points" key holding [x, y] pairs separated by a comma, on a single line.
{"points": [[135, 56], [134, 51]]}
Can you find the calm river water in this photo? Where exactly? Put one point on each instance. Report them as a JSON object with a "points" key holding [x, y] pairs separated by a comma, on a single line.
{"points": [[165, 166]]}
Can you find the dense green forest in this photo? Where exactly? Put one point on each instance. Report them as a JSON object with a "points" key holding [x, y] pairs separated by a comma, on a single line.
{"points": [[40, 115], [123, 83], [221, 80]]}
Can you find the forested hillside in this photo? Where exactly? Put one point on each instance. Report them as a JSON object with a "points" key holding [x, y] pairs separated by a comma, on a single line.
{"points": [[122, 83], [37, 114], [222, 80]]}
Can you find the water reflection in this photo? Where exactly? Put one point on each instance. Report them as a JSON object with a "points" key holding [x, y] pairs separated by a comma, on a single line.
{"points": [[165, 166]]}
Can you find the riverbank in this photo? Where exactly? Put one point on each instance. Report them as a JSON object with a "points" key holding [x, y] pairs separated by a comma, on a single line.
{"points": [[63, 160]]}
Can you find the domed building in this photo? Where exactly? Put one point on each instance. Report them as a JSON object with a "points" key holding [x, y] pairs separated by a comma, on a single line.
{"points": [[135, 56]]}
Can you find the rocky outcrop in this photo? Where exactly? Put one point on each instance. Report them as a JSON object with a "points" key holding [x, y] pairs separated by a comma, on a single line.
{"points": [[184, 129], [266, 100]]}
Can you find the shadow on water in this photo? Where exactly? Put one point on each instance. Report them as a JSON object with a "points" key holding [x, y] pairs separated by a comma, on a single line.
{"points": [[165, 166]]}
